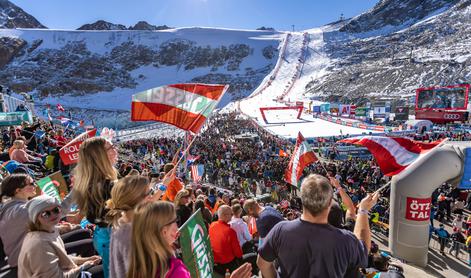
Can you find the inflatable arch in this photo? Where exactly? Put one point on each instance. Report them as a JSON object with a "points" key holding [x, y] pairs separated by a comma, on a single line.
{"points": [[411, 192]]}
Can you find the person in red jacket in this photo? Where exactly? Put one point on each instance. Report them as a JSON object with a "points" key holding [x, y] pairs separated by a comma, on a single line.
{"points": [[226, 247]]}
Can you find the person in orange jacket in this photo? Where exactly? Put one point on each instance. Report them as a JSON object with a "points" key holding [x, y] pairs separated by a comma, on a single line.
{"points": [[212, 203], [173, 186]]}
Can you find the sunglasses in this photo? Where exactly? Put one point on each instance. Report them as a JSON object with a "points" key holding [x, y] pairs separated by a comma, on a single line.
{"points": [[31, 184], [48, 213], [151, 192], [170, 223]]}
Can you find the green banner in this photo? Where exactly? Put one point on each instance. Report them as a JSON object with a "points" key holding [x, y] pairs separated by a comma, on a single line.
{"points": [[196, 247], [48, 188], [361, 111], [15, 118]]}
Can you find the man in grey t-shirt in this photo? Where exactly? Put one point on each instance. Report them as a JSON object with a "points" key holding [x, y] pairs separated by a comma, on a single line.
{"points": [[310, 247]]}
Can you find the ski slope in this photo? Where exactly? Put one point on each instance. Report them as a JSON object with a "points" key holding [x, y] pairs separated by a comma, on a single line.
{"points": [[301, 60]]}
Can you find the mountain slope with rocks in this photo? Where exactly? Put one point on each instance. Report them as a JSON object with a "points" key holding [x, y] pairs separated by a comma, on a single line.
{"points": [[12, 16], [102, 69], [433, 51]]}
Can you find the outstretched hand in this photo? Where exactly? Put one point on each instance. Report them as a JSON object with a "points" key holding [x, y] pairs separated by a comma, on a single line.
{"points": [[334, 182], [369, 201], [244, 271]]}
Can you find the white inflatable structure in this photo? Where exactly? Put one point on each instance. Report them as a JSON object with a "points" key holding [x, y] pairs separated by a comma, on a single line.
{"points": [[411, 192]]}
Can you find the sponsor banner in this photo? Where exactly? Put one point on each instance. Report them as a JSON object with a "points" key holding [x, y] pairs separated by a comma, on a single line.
{"points": [[15, 118], [70, 152], [325, 107], [49, 188], [347, 109], [334, 110], [440, 116], [418, 209], [316, 109], [196, 247], [402, 113]]}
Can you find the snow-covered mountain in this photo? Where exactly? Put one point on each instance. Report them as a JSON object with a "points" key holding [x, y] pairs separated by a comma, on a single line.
{"points": [[377, 60], [395, 15], [12, 16], [102, 69], [390, 50]]}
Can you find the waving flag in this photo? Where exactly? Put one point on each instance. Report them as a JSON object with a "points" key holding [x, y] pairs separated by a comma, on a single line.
{"points": [[68, 122], [69, 152], [393, 154], [185, 106], [60, 108], [302, 157], [64, 120], [197, 172], [192, 159]]}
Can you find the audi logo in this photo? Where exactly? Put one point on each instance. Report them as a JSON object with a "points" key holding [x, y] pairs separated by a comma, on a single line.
{"points": [[452, 116]]}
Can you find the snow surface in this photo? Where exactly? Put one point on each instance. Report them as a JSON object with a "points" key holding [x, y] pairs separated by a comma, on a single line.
{"points": [[286, 125], [314, 64]]}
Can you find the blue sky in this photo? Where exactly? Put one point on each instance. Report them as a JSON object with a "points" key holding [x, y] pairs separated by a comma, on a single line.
{"points": [[239, 14]]}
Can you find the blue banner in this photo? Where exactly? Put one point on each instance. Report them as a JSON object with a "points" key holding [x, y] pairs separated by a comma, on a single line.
{"points": [[466, 179], [39, 134]]}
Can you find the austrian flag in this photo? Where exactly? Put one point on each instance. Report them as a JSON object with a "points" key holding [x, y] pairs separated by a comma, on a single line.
{"points": [[302, 157], [185, 106], [393, 154]]}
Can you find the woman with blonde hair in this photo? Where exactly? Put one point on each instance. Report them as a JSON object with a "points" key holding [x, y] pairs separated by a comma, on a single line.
{"points": [[125, 196], [184, 211], [94, 179], [154, 231]]}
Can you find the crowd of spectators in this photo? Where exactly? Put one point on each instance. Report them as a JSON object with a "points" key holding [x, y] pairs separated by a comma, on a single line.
{"points": [[127, 200]]}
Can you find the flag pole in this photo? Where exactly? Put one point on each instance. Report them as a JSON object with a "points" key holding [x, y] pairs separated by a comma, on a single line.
{"points": [[185, 168]]}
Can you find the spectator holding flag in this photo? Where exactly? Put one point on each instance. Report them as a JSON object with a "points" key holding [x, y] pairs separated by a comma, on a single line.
{"points": [[309, 246], [174, 184], [94, 179]]}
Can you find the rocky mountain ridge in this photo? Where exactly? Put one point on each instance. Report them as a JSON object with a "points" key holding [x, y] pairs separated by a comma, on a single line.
{"points": [[12, 16], [433, 51], [104, 25]]}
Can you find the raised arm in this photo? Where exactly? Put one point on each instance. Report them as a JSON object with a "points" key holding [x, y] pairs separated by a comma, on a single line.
{"points": [[346, 200], [362, 226]]}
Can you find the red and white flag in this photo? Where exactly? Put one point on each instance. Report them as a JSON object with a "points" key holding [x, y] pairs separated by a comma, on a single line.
{"points": [[60, 108], [393, 154], [197, 172], [185, 106], [302, 157], [70, 152]]}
